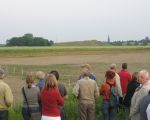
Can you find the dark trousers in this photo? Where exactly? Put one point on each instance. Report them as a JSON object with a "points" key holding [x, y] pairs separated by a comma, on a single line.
{"points": [[62, 113], [87, 111], [26, 113], [3, 114]]}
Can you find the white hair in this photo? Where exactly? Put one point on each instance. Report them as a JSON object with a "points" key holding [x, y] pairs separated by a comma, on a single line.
{"points": [[40, 75], [145, 73], [113, 66]]}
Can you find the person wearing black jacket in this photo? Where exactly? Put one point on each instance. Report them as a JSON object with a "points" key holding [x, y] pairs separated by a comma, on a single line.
{"points": [[132, 85]]}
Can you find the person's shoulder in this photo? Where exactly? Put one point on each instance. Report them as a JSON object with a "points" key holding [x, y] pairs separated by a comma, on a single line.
{"points": [[35, 88], [117, 76], [145, 89], [61, 84], [92, 81], [128, 72], [80, 81], [147, 85], [104, 84], [5, 85]]}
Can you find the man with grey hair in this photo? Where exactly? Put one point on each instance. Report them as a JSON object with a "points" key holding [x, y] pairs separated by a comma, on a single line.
{"points": [[140, 93], [40, 75], [6, 97], [86, 90]]}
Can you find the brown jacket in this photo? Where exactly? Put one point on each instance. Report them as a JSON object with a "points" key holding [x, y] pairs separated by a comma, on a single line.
{"points": [[86, 90]]}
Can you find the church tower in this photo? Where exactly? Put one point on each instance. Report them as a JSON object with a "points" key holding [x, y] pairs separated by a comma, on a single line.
{"points": [[108, 39]]}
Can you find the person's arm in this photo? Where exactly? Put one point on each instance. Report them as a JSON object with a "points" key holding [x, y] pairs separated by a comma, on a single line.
{"points": [[39, 95], [8, 96], [118, 85], [129, 77], [60, 99], [65, 93], [65, 97], [101, 90], [96, 92], [148, 112], [76, 89]]}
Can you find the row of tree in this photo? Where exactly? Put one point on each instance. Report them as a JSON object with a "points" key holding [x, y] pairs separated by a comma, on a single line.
{"points": [[145, 41], [29, 40]]}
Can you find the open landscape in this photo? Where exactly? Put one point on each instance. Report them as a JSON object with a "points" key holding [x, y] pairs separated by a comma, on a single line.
{"points": [[62, 35], [18, 61]]}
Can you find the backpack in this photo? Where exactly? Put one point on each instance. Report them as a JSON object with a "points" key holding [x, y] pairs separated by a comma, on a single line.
{"points": [[113, 96]]}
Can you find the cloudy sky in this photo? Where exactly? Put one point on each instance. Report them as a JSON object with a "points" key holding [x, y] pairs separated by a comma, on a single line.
{"points": [[71, 20]]}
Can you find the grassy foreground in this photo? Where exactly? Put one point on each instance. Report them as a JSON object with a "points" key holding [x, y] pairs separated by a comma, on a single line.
{"points": [[72, 111]]}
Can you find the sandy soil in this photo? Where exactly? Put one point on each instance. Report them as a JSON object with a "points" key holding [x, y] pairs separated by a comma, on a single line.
{"points": [[69, 59], [78, 59]]}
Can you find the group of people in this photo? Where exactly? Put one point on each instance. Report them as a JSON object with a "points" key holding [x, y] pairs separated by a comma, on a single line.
{"points": [[130, 92], [45, 100]]}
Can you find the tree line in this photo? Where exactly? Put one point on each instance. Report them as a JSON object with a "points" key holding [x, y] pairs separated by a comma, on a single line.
{"points": [[145, 41], [29, 40]]}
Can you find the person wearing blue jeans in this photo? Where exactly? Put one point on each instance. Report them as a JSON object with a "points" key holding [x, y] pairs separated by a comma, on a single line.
{"points": [[108, 112], [4, 115], [106, 93]]}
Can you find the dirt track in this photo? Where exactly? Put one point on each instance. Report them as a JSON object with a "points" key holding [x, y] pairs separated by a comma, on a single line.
{"points": [[78, 59]]}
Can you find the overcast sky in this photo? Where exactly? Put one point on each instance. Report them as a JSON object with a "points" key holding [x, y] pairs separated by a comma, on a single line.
{"points": [[71, 20]]}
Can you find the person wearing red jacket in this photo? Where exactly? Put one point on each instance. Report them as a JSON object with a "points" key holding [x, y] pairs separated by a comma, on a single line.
{"points": [[125, 77], [105, 89], [51, 99]]}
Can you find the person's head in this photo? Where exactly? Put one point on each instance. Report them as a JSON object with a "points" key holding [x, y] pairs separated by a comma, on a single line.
{"points": [[85, 69], [40, 75], [85, 73], [54, 72], [113, 67], [124, 66], [51, 81], [2, 73], [143, 76], [135, 76], [87, 66], [109, 75], [29, 80]]}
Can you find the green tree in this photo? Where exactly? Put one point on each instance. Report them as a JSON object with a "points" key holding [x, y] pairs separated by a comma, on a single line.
{"points": [[29, 40]]}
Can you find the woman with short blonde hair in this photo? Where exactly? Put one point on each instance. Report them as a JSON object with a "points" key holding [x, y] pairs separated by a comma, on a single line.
{"points": [[51, 99]]}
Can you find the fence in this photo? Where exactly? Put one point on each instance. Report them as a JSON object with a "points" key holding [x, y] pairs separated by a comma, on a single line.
{"points": [[21, 71]]}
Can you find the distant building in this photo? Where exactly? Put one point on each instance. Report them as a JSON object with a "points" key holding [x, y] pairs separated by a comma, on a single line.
{"points": [[108, 39]]}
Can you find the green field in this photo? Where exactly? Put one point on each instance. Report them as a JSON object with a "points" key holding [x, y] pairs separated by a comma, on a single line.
{"points": [[72, 48], [62, 50]]}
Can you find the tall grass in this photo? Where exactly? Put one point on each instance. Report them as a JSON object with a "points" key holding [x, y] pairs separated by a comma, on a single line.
{"points": [[15, 113], [71, 110]]}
